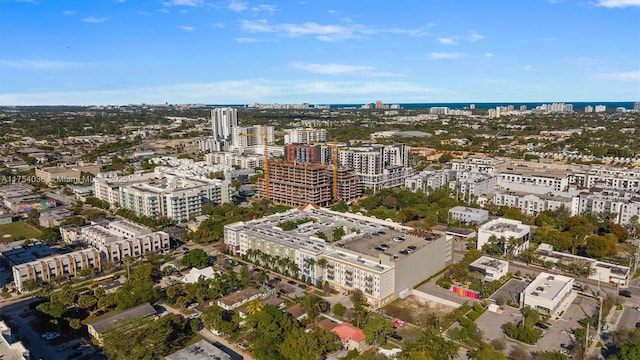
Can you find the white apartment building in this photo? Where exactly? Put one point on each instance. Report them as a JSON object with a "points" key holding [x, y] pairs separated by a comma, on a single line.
{"points": [[243, 161], [118, 239], [45, 269], [304, 136], [624, 204], [481, 165], [175, 197], [466, 215], [600, 108], [223, 120], [492, 269], [378, 166], [547, 292], [530, 204], [470, 184], [532, 182], [504, 228], [244, 137], [354, 262], [428, 179]]}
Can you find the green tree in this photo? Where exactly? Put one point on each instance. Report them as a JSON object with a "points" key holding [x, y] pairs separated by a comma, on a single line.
{"points": [[597, 247], [301, 345], [431, 346], [338, 309], [54, 309], [195, 258], [376, 328], [486, 352], [87, 301], [50, 235]]}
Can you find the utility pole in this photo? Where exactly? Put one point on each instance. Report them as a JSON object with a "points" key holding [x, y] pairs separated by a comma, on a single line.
{"points": [[599, 316]]}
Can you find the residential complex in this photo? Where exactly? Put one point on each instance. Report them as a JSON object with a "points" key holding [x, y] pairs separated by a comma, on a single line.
{"points": [[168, 194], [305, 136], [117, 240], [379, 257], [46, 269]]}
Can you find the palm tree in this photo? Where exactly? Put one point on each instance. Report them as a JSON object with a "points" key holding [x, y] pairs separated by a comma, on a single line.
{"points": [[254, 307]]}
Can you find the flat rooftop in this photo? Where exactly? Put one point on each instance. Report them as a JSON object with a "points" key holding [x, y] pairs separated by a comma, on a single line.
{"points": [[485, 262], [547, 286], [202, 350]]}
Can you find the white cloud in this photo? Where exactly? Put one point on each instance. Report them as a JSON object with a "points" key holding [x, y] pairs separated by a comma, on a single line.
{"points": [[488, 55], [617, 3], [94, 20], [191, 3], [247, 40], [234, 92], [27, 1], [321, 32], [341, 69], [237, 6], [620, 76], [445, 55], [331, 11], [43, 64], [447, 41], [186, 28], [264, 8], [527, 67], [475, 37], [69, 12]]}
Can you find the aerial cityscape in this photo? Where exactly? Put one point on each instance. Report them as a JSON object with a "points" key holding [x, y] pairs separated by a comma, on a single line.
{"points": [[190, 179]]}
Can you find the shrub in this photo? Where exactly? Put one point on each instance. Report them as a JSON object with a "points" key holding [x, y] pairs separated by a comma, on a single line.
{"points": [[444, 283]]}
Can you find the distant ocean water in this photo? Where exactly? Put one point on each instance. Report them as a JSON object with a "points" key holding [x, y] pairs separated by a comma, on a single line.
{"points": [[479, 105]]}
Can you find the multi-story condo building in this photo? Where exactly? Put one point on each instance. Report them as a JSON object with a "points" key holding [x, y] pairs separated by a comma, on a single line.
{"points": [[481, 165], [155, 195], [588, 109], [118, 239], [46, 269], [251, 136], [299, 184], [428, 179], [380, 258], [234, 159], [471, 185], [305, 136], [378, 166], [223, 120], [625, 205], [600, 108], [531, 204]]}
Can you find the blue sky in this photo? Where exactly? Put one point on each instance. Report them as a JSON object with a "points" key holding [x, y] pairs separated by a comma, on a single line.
{"points": [[235, 52]]}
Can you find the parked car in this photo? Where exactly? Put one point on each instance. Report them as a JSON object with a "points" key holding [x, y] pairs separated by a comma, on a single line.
{"points": [[384, 246], [542, 326], [638, 325], [395, 336], [625, 293], [302, 286], [378, 248], [637, 308]]}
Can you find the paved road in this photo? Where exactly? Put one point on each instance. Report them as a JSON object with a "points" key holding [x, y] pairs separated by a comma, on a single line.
{"points": [[236, 354]]}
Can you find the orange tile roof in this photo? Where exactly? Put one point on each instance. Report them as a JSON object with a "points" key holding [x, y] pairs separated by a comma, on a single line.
{"points": [[348, 332]]}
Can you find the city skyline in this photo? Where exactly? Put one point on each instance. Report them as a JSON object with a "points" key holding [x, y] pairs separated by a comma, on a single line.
{"points": [[241, 52]]}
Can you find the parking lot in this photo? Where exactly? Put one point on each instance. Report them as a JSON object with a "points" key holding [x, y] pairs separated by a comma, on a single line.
{"points": [[630, 316]]}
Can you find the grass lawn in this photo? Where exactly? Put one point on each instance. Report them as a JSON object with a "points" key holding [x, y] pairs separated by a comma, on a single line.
{"points": [[10, 232]]}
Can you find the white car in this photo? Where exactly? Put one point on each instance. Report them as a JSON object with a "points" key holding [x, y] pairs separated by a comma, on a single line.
{"points": [[638, 308]]}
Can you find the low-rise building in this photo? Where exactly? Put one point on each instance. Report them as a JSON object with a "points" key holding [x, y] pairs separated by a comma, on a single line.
{"points": [[46, 269], [196, 274], [9, 348], [352, 338], [547, 292], [97, 328], [202, 350], [510, 230], [238, 298], [467, 215], [24, 204], [54, 216], [58, 174], [492, 269]]}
